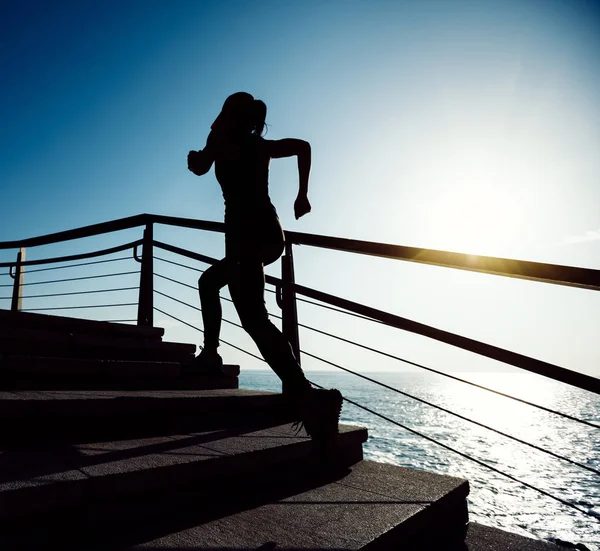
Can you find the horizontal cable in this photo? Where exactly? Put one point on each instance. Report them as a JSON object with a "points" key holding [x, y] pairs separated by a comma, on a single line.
{"points": [[202, 331], [186, 284], [175, 281], [80, 307], [82, 292], [196, 270], [80, 264], [470, 458], [119, 321], [534, 446], [365, 347], [79, 278], [178, 264], [200, 309]]}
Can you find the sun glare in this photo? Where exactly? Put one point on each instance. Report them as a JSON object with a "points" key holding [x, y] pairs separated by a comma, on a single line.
{"points": [[475, 217]]}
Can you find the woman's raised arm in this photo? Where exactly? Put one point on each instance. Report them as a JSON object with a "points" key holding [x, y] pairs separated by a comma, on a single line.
{"points": [[290, 147]]}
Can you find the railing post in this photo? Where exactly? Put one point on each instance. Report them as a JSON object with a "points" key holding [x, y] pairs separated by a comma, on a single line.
{"points": [[289, 312], [146, 296], [17, 295]]}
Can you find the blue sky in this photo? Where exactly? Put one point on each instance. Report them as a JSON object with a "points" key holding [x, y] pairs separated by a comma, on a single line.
{"points": [[471, 126]]}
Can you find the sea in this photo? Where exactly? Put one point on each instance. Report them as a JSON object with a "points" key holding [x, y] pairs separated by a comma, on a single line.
{"points": [[494, 500]]}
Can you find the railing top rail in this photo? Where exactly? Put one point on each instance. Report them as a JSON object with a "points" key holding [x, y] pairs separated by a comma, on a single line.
{"points": [[78, 233], [521, 269]]}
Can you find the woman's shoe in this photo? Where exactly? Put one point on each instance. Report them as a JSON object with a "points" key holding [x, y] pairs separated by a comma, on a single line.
{"points": [[319, 411], [206, 363]]}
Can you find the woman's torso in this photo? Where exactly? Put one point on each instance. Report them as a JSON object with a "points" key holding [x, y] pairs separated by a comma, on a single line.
{"points": [[242, 170]]}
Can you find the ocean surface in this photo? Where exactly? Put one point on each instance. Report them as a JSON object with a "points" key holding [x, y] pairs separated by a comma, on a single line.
{"points": [[494, 500]]}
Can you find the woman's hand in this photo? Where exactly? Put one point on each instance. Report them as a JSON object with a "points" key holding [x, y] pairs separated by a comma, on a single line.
{"points": [[301, 206], [192, 161], [199, 162]]}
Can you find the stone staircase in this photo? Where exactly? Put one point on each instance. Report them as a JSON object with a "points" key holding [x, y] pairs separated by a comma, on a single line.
{"points": [[108, 443]]}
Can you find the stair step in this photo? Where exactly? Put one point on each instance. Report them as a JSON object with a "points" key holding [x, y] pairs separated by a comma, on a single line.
{"points": [[31, 320], [375, 506], [38, 479], [43, 342], [34, 373], [30, 416]]}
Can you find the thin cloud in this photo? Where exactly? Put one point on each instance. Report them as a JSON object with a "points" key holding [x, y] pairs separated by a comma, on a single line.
{"points": [[590, 235]]}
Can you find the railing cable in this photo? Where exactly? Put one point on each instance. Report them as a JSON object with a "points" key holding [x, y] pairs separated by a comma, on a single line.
{"points": [[75, 279], [470, 458], [580, 465], [339, 310], [194, 287], [80, 307], [81, 292], [200, 309], [80, 264], [548, 410], [178, 264], [175, 281]]}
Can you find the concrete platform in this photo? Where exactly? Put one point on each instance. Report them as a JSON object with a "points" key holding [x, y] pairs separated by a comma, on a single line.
{"points": [[35, 479]]}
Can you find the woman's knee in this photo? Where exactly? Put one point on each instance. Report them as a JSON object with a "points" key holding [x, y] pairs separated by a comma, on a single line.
{"points": [[210, 281]]}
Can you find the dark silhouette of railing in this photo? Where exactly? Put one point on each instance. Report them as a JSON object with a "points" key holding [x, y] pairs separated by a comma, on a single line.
{"points": [[288, 293]]}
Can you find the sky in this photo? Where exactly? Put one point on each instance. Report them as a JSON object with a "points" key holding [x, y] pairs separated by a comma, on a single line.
{"points": [[469, 126]]}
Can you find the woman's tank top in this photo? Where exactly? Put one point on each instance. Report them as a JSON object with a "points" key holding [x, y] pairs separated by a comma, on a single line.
{"points": [[244, 180]]}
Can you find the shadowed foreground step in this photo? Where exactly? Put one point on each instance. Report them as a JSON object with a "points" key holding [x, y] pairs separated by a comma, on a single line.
{"points": [[374, 506]]}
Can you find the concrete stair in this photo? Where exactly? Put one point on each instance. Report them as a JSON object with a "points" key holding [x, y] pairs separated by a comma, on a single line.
{"points": [[47, 373], [99, 467], [60, 353], [66, 416]]}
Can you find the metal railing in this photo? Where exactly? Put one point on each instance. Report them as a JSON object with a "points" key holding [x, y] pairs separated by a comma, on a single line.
{"points": [[288, 293]]}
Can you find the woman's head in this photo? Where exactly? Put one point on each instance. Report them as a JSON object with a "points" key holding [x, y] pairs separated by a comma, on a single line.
{"points": [[241, 112]]}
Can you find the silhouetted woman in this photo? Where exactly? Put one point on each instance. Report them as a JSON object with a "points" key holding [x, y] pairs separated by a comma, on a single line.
{"points": [[254, 239]]}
